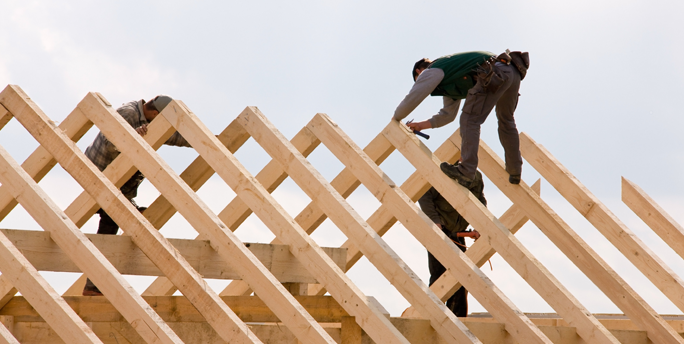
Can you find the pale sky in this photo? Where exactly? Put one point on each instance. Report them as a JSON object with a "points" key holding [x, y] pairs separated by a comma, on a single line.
{"points": [[601, 95]]}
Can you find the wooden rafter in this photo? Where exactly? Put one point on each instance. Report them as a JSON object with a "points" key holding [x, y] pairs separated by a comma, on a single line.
{"points": [[294, 264], [501, 239]]}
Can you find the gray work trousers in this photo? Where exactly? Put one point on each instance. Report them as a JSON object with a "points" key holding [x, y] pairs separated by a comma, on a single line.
{"points": [[478, 104]]}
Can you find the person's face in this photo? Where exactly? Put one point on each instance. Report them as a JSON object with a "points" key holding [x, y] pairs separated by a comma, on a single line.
{"points": [[150, 114]]}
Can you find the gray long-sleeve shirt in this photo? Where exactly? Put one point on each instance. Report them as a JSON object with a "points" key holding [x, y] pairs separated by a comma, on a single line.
{"points": [[427, 81]]}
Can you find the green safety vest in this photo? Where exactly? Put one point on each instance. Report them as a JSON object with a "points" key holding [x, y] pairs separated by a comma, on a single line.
{"points": [[459, 72]]}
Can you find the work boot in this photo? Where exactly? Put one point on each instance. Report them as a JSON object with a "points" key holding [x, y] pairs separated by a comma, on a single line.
{"points": [[453, 172], [514, 179]]}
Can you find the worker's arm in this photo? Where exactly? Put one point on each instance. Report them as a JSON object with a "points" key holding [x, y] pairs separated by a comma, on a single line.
{"points": [[446, 114], [427, 81]]}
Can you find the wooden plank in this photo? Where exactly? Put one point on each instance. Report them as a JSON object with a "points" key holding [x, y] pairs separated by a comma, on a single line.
{"points": [[40, 294], [178, 309], [236, 212], [311, 216], [5, 116], [635, 250], [191, 333], [355, 228], [77, 247], [278, 221], [109, 281], [480, 252], [653, 215], [425, 231], [500, 238], [7, 291], [40, 162], [581, 254], [6, 328], [45, 255], [199, 216]]}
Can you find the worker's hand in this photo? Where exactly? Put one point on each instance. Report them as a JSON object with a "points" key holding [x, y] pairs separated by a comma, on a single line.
{"points": [[142, 130], [475, 235], [418, 126]]}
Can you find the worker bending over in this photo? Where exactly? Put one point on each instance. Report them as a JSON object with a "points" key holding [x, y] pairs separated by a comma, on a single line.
{"points": [[484, 81], [102, 152], [454, 226]]}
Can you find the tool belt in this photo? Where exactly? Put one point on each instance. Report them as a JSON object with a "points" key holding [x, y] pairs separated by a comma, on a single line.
{"points": [[490, 77], [521, 61]]}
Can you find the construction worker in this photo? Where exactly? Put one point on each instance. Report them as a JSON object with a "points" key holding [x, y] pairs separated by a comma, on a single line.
{"points": [[102, 152], [454, 226], [484, 81]]}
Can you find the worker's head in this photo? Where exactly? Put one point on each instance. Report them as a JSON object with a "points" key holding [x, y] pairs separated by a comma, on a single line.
{"points": [[155, 106], [419, 67]]}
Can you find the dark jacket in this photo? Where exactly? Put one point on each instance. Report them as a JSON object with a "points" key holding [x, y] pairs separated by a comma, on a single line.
{"points": [[442, 213]]}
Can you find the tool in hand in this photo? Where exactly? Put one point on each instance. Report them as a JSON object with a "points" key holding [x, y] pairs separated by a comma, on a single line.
{"points": [[419, 133]]}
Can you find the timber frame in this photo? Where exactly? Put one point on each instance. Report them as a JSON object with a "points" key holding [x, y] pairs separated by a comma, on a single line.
{"points": [[292, 290]]}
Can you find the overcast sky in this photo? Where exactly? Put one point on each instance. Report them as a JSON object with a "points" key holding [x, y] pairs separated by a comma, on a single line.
{"points": [[603, 95]]}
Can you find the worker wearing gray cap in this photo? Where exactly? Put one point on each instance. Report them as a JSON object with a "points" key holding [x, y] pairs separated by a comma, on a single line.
{"points": [[102, 152]]}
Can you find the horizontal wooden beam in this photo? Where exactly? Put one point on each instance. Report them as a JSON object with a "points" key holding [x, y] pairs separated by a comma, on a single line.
{"points": [[45, 255], [178, 309], [417, 331]]}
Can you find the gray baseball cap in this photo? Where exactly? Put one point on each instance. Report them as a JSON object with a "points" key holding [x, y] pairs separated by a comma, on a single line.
{"points": [[161, 101]]}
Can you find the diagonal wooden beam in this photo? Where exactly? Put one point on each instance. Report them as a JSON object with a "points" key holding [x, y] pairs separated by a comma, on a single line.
{"points": [[6, 336], [480, 252], [499, 237], [311, 216], [236, 212], [425, 231], [355, 228], [293, 315], [165, 256], [576, 249], [37, 165], [635, 250], [41, 296], [278, 221], [653, 215]]}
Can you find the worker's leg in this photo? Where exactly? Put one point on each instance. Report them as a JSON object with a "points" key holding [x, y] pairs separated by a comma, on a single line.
{"points": [[458, 303], [478, 104], [108, 226], [508, 132], [436, 268]]}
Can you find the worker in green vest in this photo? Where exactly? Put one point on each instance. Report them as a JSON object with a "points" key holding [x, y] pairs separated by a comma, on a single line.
{"points": [[484, 80]]}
